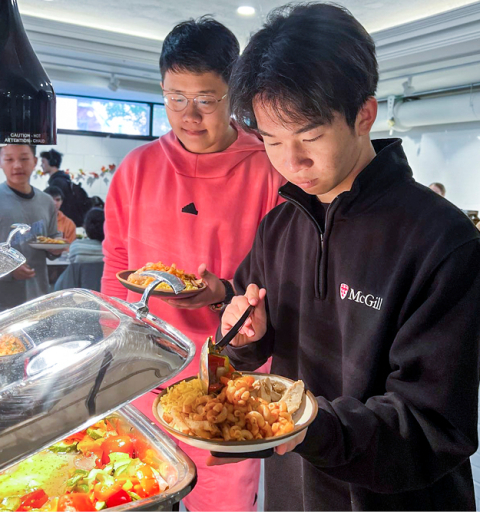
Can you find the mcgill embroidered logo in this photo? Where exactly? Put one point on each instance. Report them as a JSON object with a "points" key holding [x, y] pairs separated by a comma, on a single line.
{"points": [[362, 298], [190, 208]]}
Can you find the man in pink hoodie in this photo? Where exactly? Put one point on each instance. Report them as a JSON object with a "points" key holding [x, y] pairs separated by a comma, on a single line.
{"points": [[195, 197]]}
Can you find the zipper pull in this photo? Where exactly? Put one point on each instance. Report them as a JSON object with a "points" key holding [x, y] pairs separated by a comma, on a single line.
{"points": [[321, 240]]}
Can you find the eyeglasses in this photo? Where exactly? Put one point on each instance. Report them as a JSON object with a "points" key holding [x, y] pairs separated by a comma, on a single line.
{"points": [[204, 103]]}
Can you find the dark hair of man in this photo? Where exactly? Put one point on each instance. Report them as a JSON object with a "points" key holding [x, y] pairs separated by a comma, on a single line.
{"points": [[54, 158], [55, 192], [93, 223], [440, 187], [308, 62], [200, 46]]}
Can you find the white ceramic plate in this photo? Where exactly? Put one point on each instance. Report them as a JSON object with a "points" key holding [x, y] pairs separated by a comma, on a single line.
{"points": [[49, 247], [302, 418]]}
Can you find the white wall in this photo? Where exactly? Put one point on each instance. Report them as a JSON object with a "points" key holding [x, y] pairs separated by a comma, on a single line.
{"points": [[89, 154], [449, 154]]}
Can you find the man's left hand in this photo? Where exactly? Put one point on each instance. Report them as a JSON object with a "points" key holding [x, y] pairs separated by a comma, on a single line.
{"points": [[55, 252], [213, 293]]}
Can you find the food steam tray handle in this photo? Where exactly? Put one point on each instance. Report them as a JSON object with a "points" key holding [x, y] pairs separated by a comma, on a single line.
{"points": [[22, 228]]}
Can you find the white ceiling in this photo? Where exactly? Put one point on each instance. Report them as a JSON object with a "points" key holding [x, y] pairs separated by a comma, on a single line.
{"points": [[82, 43], [155, 18]]}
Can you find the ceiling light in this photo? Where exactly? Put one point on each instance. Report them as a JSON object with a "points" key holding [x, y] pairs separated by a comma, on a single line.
{"points": [[246, 10]]}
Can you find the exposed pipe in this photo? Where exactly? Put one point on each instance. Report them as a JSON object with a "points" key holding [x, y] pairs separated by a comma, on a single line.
{"points": [[458, 108], [444, 91]]}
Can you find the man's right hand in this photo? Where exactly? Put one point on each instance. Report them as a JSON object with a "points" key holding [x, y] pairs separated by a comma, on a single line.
{"points": [[23, 272], [256, 325]]}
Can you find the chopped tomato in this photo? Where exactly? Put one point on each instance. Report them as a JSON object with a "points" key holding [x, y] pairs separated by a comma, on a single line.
{"points": [[99, 464], [78, 436], [87, 446], [118, 444], [75, 502], [140, 448], [102, 492], [119, 498], [148, 456], [147, 480], [35, 499], [105, 459], [110, 426]]}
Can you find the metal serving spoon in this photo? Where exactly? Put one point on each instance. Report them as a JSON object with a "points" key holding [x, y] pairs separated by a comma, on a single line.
{"points": [[10, 258], [211, 358]]}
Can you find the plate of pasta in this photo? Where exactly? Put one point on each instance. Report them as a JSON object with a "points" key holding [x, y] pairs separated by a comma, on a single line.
{"points": [[134, 281], [253, 412]]}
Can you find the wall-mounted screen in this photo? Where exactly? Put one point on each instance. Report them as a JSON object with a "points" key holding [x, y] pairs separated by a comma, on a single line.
{"points": [[103, 115]]}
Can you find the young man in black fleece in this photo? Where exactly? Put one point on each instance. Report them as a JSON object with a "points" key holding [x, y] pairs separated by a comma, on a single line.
{"points": [[366, 283]]}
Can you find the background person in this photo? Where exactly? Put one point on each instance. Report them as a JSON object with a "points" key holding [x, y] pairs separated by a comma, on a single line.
{"points": [[89, 250], [76, 202], [22, 203], [86, 256], [50, 163], [195, 197], [366, 285], [438, 188], [65, 225]]}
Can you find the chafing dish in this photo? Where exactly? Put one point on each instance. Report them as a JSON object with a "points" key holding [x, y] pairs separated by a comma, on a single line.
{"points": [[85, 356]]}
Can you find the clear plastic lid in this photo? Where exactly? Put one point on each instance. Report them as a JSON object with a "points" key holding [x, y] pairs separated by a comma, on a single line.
{"points": [[80, 355]]}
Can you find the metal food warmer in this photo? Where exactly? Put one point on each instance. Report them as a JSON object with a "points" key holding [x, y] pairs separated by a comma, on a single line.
{"points": [[87, 355]]}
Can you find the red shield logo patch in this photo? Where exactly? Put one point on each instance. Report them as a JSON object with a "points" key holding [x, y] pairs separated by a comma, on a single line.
{"points": [[344, 290]]}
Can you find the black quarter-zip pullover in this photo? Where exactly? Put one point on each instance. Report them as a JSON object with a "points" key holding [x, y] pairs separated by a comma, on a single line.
{"points": [[379, 315]]}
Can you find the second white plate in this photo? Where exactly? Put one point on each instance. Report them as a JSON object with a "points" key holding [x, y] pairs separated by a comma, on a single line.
{"points": [[49, 247]]}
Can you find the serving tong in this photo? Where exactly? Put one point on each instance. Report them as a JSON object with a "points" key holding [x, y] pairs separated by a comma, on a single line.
{"points": [[212, 351], [210, 378]]}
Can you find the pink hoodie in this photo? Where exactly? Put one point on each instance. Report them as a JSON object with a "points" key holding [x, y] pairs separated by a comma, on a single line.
{"points": [[167, 204]]}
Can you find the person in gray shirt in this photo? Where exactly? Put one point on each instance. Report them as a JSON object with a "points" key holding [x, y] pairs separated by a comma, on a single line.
{"points": [[89, 250], [22, 203]]}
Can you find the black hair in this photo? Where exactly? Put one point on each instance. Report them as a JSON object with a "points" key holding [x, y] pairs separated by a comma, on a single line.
{"points": [[97, 202], [308, 62], [55, 192], [53, 157], [440, 187], [200, 46], [93, 224]]}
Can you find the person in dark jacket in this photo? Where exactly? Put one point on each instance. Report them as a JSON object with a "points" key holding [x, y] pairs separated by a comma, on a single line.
{"points": [[51, 162], [366, 283], [75, 203]]}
